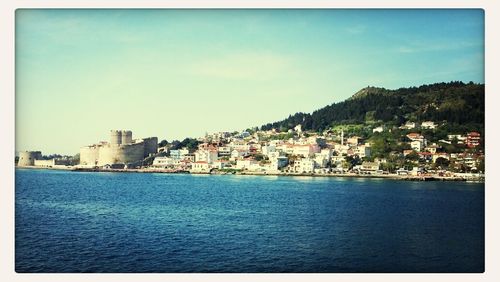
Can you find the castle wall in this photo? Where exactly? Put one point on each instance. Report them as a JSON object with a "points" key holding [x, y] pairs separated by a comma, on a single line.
{"points": [[150, 145], [45, 163], [27, 158], [89, 155], [133, 153], [121, 154]]}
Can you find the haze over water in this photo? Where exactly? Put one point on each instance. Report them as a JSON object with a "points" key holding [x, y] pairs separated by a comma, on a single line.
{"points": [[134, 222]]}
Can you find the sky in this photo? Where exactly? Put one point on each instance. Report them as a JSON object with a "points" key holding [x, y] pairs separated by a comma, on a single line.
{"points": [[182, 73]]}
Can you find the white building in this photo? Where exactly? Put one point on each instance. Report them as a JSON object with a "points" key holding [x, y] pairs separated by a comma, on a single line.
{"points": [[165, 162], [342, 149], [321, 159], [417, 145], [408, 125], [327, 152], [312, 140], [304, 165], [460, 139], [417, 137], [305, 150], [364, 150], [273, 155], [337, 160], [208, 156], [248, 164], [428, 125], [285, 148], [200, 166], [178, 154], [224, 151], [267, 149], [275, 165], [235, 154], [220, 164], [378, 129], [240, 146], [354, 140], [370, 166], [431, 149]]}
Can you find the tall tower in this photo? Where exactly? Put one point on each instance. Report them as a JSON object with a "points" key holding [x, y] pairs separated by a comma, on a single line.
{"points": [[116, 137], [126, 137], [342, 137]]}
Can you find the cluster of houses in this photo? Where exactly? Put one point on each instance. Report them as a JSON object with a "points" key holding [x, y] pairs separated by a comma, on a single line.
{"points": [[304, 152]]}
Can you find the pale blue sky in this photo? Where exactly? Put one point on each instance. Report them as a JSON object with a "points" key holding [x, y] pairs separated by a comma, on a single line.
{"points": [[181, 73]]}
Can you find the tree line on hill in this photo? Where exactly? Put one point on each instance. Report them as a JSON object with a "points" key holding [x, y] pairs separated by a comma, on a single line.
{"points": [[190, 143], [455, 103]]}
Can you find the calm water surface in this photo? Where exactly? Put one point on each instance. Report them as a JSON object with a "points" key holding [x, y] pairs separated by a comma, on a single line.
{"points": [[132, 222]]}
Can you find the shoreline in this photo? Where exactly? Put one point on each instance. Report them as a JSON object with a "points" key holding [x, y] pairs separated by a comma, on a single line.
{"points": [[252, 173]]}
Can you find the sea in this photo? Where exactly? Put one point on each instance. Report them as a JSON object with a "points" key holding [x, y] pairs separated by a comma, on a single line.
{"points": [[99, 222]]}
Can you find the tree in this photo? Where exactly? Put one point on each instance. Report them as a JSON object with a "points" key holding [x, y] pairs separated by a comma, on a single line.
{"points": [[443, 163], [351, 161], [258, 157], [480, 166], [175, 145], [190, 143], [413, 156], [75, 159], [163, 143], [388, 166]]}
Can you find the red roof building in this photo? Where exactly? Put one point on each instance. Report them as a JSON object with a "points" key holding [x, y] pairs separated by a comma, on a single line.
{"points": [[473, 139]]}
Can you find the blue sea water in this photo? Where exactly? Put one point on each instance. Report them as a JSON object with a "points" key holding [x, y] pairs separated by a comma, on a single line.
{"points": [[133, 222]]}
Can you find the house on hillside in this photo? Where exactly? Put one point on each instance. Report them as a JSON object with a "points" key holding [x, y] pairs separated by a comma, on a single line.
{"points": [[473, 139], [408, 125], [428, 125]]}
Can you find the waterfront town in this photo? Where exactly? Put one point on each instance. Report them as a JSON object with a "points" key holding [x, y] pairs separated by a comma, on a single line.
{"points": [[333, 152]]}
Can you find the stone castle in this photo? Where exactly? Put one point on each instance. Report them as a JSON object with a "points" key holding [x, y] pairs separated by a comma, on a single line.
{"points": [[121, 149]]}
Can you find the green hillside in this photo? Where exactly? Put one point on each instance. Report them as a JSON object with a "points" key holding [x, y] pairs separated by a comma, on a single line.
{"points": [[455, 103]]}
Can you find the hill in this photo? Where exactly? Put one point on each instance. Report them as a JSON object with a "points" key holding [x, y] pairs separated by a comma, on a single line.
{"points": [[454, 103]]}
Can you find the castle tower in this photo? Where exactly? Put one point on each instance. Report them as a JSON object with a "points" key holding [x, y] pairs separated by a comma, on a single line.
{"points": [[116, 137], [27, 158], [126, 137]]}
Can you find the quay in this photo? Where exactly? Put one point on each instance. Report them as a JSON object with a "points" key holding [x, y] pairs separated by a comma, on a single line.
{"points": [[461, 177]]}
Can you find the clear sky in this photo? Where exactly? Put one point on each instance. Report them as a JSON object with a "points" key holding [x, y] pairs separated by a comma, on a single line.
{"points": [[181, 73]]}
